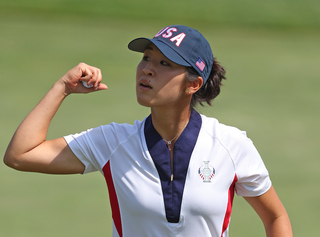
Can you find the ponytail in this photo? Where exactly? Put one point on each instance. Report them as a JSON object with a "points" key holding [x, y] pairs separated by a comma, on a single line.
{"points": [[211, 89]]}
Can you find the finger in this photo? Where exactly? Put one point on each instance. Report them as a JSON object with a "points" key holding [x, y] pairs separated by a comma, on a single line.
{"points": [[86, 74], [98, 77], [102, 87], [92, 77], [95, 74]]}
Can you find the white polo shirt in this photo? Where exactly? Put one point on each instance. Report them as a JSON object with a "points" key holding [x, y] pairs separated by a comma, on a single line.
{"points": [[210, 162]]}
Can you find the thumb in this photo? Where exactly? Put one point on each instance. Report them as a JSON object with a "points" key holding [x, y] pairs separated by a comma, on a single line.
{"points": [[102, 87]]}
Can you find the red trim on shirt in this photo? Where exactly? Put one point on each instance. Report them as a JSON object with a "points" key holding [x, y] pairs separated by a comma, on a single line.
{"points": [[113, 198], [229, 206]]}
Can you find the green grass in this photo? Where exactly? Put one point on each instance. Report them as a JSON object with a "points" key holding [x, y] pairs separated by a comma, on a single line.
{"points": [[272, 92], [258, 13]]}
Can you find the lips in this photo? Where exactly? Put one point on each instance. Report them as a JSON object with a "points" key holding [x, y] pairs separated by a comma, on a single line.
{"points": [[144, 85]]}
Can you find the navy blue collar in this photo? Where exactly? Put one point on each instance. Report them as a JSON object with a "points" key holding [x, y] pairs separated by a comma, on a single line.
{"points": [[182, 151]]}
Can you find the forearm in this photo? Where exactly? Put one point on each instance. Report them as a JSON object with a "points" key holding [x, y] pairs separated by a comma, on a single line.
{"points": [[29, 150], [280, 227]]}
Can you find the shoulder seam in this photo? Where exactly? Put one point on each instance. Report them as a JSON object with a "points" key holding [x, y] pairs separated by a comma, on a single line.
{"points": [[122, 142], [224, 146]]}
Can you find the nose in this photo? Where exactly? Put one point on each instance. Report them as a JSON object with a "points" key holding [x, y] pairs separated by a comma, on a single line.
{"points": [[148, 70]]}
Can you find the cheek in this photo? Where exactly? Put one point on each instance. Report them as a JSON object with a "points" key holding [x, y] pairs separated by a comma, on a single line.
{"points": [[175, 82], [172, 90], [138, 71]]}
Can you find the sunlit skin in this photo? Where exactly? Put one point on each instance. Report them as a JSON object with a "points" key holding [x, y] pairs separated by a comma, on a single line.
{"points": [[160, 82], [161, 85]]}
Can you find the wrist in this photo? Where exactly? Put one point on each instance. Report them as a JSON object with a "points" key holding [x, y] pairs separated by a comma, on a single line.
{"points": [[60, 89]]}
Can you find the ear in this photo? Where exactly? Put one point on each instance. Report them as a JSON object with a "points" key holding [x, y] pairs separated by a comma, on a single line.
{"points": [[195, 85]]}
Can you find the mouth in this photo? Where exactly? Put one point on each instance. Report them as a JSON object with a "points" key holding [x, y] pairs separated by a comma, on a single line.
{"points": [[144, 85]]}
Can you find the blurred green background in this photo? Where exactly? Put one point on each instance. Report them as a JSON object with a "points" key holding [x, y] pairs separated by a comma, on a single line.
{"points": [[270, 49]]}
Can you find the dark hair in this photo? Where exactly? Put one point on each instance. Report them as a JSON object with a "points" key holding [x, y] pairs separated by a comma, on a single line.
{"points": [[211, 89]]}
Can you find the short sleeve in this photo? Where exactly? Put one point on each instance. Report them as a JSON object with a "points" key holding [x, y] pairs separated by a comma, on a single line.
{"points": [[94, 147], [252, 175], [85, 146]]}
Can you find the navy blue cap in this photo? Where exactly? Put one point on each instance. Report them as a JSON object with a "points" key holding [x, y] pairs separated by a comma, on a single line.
{"points": [[182, 45]]}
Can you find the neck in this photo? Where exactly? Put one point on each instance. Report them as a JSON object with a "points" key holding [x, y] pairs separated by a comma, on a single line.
{"points": [[170, 123]]}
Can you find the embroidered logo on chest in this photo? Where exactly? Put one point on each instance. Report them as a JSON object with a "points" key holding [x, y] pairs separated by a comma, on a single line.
{"points": [[206, 172]]}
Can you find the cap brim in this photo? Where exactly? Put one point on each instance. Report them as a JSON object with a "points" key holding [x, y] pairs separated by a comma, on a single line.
{"points": [[140, 45]]}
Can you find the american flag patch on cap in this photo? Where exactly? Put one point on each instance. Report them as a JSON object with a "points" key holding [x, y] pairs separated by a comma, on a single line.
{"points": [[200, 64]]}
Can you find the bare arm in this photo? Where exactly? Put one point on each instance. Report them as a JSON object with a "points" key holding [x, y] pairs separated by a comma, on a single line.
{"points": [[272, 213], [29, 150]]}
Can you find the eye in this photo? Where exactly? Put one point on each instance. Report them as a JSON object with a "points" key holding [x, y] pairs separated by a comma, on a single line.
{"points": [[164, 63], [145, 58]]}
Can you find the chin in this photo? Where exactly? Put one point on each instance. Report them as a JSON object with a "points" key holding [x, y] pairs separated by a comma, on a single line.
{"points": [[143, 102]]}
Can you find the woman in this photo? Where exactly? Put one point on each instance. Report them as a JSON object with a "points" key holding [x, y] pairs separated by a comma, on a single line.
{"points": [[175, 172]]}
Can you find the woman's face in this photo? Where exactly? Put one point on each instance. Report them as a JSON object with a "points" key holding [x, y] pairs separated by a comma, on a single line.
{"points": [[159, 81]]}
